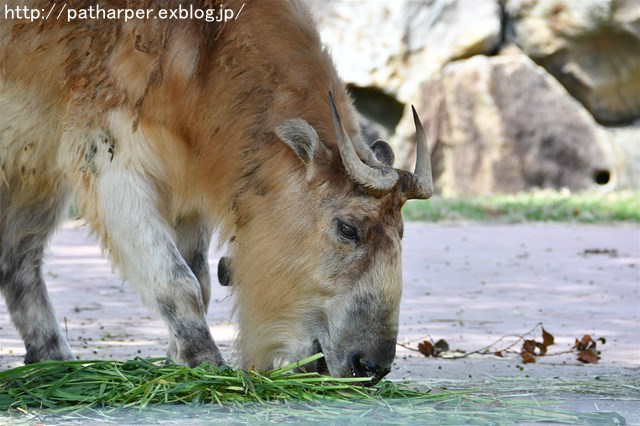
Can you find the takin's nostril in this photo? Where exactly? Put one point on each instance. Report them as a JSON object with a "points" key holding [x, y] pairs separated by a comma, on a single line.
{"points": [[363, 367]]}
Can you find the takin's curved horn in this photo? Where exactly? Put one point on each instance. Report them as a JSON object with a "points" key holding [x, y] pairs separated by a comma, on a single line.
{"points": [[379, 179], [419, 185]]}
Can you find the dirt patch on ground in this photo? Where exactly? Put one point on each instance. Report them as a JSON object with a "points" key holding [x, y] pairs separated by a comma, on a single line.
{"points": [[467, 283]]}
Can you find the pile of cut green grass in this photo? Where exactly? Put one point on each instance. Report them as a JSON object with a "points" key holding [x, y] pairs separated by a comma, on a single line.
{"points": [[543, 205], [153, 391]]}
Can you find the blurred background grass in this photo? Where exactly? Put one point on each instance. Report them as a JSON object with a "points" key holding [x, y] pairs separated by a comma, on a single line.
{"points": [[541, 205]]}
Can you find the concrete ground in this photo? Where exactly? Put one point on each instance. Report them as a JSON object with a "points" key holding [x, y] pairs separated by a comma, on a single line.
{"points": [[469, 284]]}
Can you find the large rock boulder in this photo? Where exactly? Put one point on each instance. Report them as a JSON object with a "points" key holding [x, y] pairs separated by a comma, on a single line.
{"points": [[625, 142], [502, 124], [396, 45], [591, 46]]}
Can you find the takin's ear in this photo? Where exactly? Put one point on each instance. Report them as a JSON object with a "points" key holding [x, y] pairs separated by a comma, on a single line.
{"points": [[301, 137], [383, 152]]}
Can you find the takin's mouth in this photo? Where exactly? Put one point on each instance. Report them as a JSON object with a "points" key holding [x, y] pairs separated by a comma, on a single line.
{"points": [[355, 369]]}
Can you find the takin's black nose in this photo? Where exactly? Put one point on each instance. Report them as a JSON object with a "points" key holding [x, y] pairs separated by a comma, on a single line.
{"points": [[363, 367]]}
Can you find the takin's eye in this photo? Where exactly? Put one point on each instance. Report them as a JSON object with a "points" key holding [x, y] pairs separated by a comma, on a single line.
{"points": [[347, 231]]}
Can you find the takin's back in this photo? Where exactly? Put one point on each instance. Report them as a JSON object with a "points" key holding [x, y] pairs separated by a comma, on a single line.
{"points": [[200, 92]]}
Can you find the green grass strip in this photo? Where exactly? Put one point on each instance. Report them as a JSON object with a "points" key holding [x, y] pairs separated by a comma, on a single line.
{"points": [[542, 206], [150, 390]]}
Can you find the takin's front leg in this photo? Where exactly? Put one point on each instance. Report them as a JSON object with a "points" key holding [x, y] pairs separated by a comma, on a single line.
{"points": [[28, 217], [121, 205], [193, 237]]}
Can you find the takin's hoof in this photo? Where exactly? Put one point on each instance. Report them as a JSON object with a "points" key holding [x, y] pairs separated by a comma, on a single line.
{"points": [[191, 357], [54, 349]]}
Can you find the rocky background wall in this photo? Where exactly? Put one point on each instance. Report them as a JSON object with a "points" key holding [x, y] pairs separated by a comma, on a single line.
{"points": [[515, 94]]}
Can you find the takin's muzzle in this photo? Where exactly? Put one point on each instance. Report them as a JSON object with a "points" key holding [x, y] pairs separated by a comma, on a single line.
{"points": [[376, 369]]}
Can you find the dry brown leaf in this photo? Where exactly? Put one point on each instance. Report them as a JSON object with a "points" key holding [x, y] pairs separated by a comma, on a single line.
{"points": [[587, 349], [542, 348], [529, 346], [528, 358], [426, 348], [547, 338], [584, 343], [589, 356], [441, 346]]}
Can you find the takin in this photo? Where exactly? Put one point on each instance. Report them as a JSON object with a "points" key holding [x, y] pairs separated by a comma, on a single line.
{"points": [[166, 132]]}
